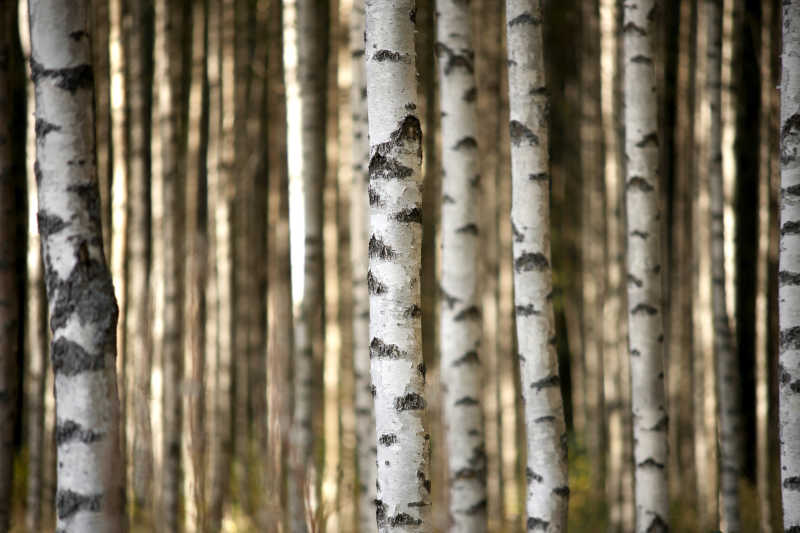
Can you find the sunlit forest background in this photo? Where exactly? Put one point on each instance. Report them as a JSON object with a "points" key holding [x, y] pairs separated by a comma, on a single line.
{"points": [[229, 71]]}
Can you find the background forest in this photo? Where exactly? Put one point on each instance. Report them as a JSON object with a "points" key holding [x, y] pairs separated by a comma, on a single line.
{"points": [[231, 159]]}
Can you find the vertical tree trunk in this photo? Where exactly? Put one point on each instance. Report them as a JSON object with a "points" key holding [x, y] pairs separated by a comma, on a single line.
{"points": [[393, 279], [460, 314], [789, 269], [546, 472], [645, 319], [724, 349], [100, 56], [9, 295], [359, 235], [83, 311]]}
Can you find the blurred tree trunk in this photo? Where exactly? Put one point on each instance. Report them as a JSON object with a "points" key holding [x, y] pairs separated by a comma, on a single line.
{"points": [[546, 472], [393, 279], [646, 336], [102, 109], [79, 283]]}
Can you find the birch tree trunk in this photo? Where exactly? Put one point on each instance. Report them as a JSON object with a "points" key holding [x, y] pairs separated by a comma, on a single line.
{"points": [[393, 279], [646, 337], [83, 310], [9, 295], [546, 472], [789, 268], [724, 349], [460, 315], [359, 235]]}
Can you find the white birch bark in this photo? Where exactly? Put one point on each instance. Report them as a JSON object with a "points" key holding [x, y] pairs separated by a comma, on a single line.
{"points": [[546, 473], [460, 315], [789, 269], [727, 375], [359, 235], [83, 310], [393, 279], [646, 337]]}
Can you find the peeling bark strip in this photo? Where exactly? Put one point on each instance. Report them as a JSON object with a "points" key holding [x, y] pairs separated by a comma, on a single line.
{"points": [[83, 309], [545, 430], [394, 251], [644, 293], [789, 261]]}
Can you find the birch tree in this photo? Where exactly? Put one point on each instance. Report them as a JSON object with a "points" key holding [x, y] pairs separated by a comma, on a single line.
{"points": [[546, 472], [393, 278], [646, 337], [83, 310], [724, 349], [359, 235], [789, 268], [460, 332]]}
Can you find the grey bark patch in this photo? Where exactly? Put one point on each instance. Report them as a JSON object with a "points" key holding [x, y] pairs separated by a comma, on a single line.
{"points": [[470, 95], [70, 359], [549, 381], [657, 524], [42, 128], [49, 224], [519, 132], [468, 229], [526, 310], [631, 27], [643, 308], [469, 358], [532, 476], [539, 176], [403, 519], [641, 59], [454, 59], [409, 402], [387, 55], [537, 524], [562, 491], [378, 248], [529, 261], [68, 503], [70, 78], [650, 463], [790, 338], [69, 430], [790, 138], [650, 139], [639, 183], [792, 483], [467, 401], [470, 313], [525, 18], [409, 215], [466, 143], [387, 439], [791, 227], [378, 348]]}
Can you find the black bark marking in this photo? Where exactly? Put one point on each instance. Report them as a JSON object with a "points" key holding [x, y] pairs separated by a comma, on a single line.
{"points": [[373, 391], [644, 60], [634, 280], [793, 190], [469, 358], [447, 199], [543, 419], [387, 168], [540, 176], [409, 215], [790, 228], [42, 128], [549, 381], [49, 224], [788, 278], [413, 311], [374, 198], [638, 182], [651, 139], [538, 91], [410, 402], [641, 234], [641, 308], [454, 60], [418, 504], [531, 476], [790, 338], [657, 524], [355, 54], [466, 143], [422, 479], [635, 352], [380, 512], [632, 27], [403, 519], [470, 313], [478, 508], [373, 285], [467, 400], [70, 359], [78, 35], [525, 18], [470, 95], [790, 138], [519, 132], [469, 473], [68, 503], [468, 229], [792, 483], [378, 248], [531, 261], [387, 55], [70, 78], [449, 300], [422, 369], [516, 233], [650, 463], [562, 491], [537, 524], [661, 424], [378, 348], [411, 106], [70, 430], [526, 310], [387, 439]]}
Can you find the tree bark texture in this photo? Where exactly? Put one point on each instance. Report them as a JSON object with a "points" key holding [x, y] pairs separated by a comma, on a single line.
{"points": [[546, 471], [393, 278], [646, 333], [460, 314], [83, 310]]}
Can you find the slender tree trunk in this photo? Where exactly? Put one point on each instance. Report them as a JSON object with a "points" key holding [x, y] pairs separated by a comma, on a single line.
{"points": [[546, 472], [100, 41], [646, 336], [393, 279], [83, 311], [789, 269], [9, 291], [724, 349], [460, 314], [359, 235]]}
